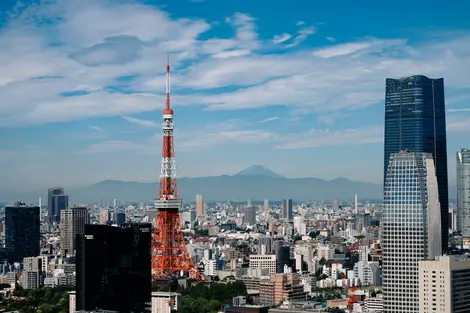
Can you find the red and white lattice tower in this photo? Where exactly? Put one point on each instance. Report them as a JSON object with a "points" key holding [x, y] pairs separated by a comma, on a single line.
{"points": [[169, 254]]}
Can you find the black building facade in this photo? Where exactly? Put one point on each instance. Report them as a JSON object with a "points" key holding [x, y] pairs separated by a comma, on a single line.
{"points": [[22, 232], [415, 120], [56, 202], [113, 268]]}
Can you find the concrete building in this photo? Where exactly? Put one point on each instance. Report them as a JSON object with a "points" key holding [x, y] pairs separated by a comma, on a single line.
{"points": [[73, 222], [32, 273], [250, 215], [200, 209], [444, 285], [263, 261], [463, 192], [411, 227], [369, 273], [104, 216], [165, 302], [72, 301], [287, 213], [280, 287]]}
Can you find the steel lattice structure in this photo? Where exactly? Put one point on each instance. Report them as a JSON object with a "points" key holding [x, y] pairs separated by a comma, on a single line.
{"points": [[170, 256]]}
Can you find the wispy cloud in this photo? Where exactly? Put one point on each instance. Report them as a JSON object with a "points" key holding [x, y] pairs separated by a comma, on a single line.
{"points": [[322, 138], [281, 38], [269, 119], [299, 23], [96, 128], [140, 122], [331, 39], [302, 35], [231, 54]]}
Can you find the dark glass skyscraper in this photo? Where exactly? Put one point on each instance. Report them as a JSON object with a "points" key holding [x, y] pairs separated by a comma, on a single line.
{"points": [[22, 233], [56, 202], [415, 120], [114, 268]]}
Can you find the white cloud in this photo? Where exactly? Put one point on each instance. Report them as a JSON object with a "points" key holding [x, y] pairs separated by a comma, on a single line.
{"points": [[277, 39], [459, 123], [269, 119], [140, 122], [299, 23], [231, 54], [95, 128], [331, 39], [302, 35], [350, 48], [322, 138], [97, 43]]}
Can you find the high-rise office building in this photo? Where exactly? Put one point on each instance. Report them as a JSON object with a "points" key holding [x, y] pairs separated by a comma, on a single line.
{"points": [[250, 215], [287, 209], [22, 231], [266, 205], [119, 218], [415, 120], [56, 202], [410, 227], [72, 223], [114, 268], [463, 192], [200, 205]]}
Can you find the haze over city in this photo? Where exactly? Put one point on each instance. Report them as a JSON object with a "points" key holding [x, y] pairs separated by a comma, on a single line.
{"points": [[297, 88]]}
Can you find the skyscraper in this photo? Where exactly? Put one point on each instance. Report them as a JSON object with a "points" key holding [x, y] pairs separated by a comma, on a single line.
{"points": [[415, 120], [22, 233], [463, 192], [72, 223], [56, 202], [410, 227], [114, 268], [200, 205], [250, 215], [287, 209]]}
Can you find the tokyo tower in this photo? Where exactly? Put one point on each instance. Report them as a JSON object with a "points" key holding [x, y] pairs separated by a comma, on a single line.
{"points": [[170, 257]]}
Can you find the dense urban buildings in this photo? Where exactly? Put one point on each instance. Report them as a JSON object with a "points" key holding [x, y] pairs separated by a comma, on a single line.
{"points": [[22, 234], [463, 192], [114, 267], [410, 227], [415, 119]]}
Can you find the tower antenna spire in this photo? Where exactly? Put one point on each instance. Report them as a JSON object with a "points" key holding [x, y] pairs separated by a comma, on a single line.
{"points": [[170, 256]]}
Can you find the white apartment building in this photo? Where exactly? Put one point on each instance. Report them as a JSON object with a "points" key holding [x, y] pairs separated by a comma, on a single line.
{"points": [[445, 285], [264, 261], [32, 273], [369, 273], [308, 254], [327, 252], [165, 302]]}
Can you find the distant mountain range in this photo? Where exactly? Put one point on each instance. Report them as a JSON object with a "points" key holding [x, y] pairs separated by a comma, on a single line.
{"points": [[256, 182]]}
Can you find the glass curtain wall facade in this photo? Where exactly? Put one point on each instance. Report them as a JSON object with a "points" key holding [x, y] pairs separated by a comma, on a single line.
{"points": [[463, 192], [415, 120], [410, 227]]}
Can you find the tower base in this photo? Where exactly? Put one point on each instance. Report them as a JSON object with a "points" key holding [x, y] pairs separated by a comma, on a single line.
{"points": [[170, 257]]}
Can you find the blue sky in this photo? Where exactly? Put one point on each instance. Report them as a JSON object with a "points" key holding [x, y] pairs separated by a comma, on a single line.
{"points": [[296, 86]]}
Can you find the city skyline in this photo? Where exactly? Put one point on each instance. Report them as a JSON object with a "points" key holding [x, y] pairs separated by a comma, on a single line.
{"points": [[248, 88]]}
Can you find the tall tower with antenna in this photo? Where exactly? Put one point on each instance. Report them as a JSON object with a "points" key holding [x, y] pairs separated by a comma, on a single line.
{"points": [[169, 254]]}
